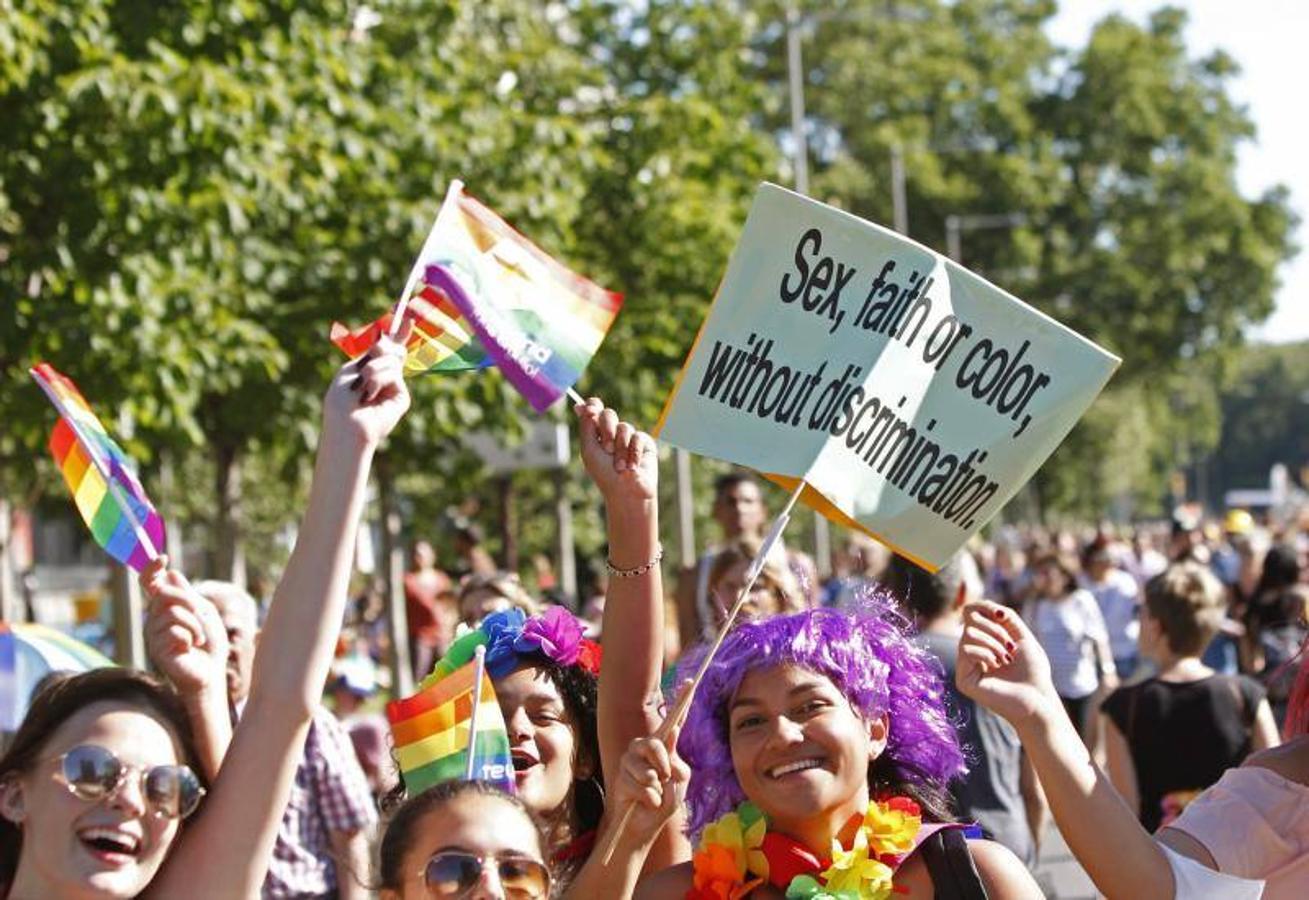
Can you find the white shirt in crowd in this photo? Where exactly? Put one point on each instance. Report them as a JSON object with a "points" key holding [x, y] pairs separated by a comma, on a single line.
{"points": [[1117, 596], [1068, 630]]}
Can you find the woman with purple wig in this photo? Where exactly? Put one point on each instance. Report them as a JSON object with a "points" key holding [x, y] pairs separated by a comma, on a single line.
{"points": [[820, 753]]}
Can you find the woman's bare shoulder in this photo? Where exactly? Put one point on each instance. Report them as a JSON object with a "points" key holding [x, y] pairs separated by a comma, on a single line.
{"points": [[670, 884], [1003, 873], [1290, 760]]}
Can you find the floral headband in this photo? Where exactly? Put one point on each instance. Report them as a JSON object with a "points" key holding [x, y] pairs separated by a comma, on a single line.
{"points": [[509, 635]]}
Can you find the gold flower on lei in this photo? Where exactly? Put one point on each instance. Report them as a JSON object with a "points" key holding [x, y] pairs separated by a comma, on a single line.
{"points": [[742, 833], [892, 826], [857, 872]]}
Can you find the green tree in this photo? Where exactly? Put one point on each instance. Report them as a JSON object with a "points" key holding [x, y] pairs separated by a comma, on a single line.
{"points": [[1120, 156], [1265, 407]]}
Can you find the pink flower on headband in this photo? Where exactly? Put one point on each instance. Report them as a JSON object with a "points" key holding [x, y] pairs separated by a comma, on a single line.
{"points": [[556, 633]]}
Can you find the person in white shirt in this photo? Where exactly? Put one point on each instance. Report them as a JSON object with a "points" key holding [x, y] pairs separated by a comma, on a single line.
{"points": [[1119, 597], [1070, 628]]}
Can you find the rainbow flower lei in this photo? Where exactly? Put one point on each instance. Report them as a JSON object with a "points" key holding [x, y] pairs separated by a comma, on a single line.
{"points": [[737, 853]]}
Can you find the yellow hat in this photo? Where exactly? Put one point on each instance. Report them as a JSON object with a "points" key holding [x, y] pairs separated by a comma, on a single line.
{"points": [[1238, 521]]}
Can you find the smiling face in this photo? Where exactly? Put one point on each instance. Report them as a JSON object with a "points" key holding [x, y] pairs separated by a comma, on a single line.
{"points": [[484, 826], [800, 752], [543, 741], [82, 849]]}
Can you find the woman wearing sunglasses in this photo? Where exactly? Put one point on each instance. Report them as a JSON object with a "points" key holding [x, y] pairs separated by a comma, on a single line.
{"points": [[463, 839], [95, 786], [91, 789]]}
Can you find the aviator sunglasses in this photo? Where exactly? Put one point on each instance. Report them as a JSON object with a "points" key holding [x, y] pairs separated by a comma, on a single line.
{"points": [[93, 773], [453, 874]]}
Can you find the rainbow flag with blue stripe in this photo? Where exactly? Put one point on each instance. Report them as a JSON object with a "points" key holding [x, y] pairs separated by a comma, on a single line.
{"points": [[430, 732], [100, 476], [480, 293]]}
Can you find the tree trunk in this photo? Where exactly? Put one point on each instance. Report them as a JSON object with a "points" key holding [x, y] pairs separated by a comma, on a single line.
{"points": [[564, 520], [508, 524], [393, 563], [129, 625], [229, 557], [10, 602], [174, 537]]}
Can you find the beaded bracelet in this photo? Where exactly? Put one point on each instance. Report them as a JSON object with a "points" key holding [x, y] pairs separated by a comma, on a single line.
{"points": [[639, 570]]}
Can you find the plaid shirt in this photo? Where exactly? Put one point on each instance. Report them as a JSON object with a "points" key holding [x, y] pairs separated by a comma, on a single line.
{"points": [[330, 793]]}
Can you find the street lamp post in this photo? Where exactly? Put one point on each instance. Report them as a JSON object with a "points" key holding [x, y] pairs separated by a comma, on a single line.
{"points": [[795, 77], [956, 225], [900, 209], [794, 67]]}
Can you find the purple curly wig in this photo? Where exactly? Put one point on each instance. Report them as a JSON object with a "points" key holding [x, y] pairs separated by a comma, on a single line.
{"points": [[868, 656]]}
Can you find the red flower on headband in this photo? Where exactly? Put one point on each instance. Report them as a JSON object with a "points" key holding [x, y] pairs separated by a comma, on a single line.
{"points": [[589, 655]]}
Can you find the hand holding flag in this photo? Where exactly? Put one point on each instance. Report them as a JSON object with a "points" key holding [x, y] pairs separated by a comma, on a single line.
{"points": [[480, 294]]}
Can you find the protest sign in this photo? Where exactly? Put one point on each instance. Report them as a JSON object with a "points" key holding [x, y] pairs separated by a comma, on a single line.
{"points": [[912, 397]]}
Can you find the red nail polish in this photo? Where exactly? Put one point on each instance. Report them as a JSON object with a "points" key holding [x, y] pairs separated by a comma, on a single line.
{"points": [[1011, 646], [998, 613]]}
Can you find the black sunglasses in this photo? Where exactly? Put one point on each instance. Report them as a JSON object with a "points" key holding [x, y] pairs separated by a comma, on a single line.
{"points": [[92, 773], [452, 874]]}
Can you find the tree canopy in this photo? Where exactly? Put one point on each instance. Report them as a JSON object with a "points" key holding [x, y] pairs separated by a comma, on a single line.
{"points": [[191, 192]]}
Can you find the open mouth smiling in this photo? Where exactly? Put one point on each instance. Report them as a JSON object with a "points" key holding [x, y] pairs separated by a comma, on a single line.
{"points": [[781, 770], [110, 844]]}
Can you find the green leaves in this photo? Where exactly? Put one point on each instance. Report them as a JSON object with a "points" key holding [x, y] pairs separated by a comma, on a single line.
{"points": [[191, 192]]}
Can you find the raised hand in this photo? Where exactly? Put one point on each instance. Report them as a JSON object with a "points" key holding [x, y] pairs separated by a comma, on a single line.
{"points": [[1002, 666], [368, 396], [652, 779], [620, 459], [184, 633]]}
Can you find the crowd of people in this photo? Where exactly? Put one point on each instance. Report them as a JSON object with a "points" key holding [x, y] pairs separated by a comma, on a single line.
{"points": [[885, 732]]}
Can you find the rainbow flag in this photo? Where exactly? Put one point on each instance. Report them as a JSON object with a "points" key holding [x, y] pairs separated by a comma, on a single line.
{"points": [[439, 342], [100, 476], [430, 732], [481, 293]]}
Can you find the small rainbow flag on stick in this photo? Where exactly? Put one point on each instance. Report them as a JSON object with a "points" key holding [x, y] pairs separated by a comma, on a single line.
{"points": [[513, 305], [99, 474], [434, 728]]}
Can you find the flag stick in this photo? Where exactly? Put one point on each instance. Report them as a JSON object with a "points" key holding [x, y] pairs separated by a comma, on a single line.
{"points": [[451, 198], [678, 715], [575, 397], [479, 672], [93, 452]]}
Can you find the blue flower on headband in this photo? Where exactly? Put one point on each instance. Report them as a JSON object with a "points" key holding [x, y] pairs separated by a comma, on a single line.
{"points": [[502, 630]]}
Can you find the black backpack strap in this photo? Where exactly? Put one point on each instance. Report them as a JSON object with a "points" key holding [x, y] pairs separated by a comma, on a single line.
{"points": [[950, 863]]}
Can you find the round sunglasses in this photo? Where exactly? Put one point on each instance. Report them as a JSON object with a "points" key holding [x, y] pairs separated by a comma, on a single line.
{"points": [[93, 773], [452, 874]]}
